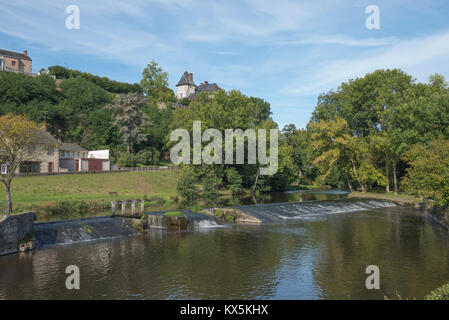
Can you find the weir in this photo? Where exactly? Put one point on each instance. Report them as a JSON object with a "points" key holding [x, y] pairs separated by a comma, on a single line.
{"points": [[277, 212], [76, 230], [87, 229], [188, 221]]}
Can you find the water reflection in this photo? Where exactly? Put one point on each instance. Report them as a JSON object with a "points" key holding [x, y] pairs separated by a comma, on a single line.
{"points": [[320, 259], [289, 196]]}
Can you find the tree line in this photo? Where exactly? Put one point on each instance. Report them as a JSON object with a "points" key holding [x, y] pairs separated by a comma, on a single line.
{"points": [[384, 130]]}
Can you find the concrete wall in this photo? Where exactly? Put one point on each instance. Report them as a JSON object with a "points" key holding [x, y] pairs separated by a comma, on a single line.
{"points": [[13, 229]]}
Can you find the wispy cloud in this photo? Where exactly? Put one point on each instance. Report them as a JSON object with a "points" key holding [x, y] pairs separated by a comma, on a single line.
{"points": [[422, 55]]}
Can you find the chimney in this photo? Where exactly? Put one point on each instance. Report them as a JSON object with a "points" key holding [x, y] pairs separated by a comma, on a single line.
{"points": [[25, 52], [190, 77]]}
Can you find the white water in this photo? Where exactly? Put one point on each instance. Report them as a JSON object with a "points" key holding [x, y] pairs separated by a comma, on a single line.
{"points": [[305, 210]]}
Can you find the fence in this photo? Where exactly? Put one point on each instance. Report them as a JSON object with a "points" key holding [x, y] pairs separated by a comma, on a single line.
{"points": [[3, 207], [131, 169]]}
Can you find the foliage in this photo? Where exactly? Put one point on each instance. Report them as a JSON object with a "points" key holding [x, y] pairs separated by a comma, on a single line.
{"points": [[173, 214], [103, 82], [211, 186], [428, 174], [441, 293], [20, 140], [147, 156], [234, 182], [360, 132], [187, 187], [129, 117], [154, 83]]}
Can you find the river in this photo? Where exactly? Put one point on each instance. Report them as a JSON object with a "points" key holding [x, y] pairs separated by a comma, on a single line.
{"points": [[319, 252]]}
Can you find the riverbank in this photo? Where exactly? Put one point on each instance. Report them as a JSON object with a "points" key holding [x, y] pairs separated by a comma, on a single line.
{"points": [[401, 199], [70, 196]]}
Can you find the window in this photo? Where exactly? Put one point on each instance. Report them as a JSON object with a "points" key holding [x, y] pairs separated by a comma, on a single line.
{"points": [[4, 169], [77, 154], [50, 151], [13, 63], [29, 167]]}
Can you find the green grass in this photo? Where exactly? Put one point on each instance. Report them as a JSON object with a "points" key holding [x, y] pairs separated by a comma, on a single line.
{"points": [[47, 190], [173, 214]]}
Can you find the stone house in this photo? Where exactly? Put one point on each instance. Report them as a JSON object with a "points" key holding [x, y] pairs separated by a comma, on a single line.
{"points": [[186, 88], [54, 156], [15, 62]]}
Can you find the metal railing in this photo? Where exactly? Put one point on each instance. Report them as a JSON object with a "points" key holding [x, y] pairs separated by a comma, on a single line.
{"points": [[3, 207]]}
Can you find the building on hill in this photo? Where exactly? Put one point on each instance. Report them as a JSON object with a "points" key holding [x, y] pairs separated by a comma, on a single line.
{"points": [[15, 62], [186, 88]]}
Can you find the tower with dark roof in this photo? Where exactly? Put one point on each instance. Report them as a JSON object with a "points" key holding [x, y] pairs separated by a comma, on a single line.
{"points": [[185, 86]]}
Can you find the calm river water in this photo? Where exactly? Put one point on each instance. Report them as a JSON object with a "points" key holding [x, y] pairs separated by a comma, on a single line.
{"points": [[317, 256]]}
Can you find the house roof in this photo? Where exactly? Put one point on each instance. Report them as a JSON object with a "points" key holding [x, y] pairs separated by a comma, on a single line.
{"points": [[210, 87], [16, 55], [47, 139], [185, 80], [71, 147]]}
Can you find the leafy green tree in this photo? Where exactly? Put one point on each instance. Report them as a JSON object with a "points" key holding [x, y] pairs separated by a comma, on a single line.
{"points": [[234, 182], [155, 83], [211, 186], [19, 143], [129, 117], [187, 186], [428, 174]]}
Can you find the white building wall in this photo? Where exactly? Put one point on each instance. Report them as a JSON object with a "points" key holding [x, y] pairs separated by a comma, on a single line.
{"points": [[184, 91]]}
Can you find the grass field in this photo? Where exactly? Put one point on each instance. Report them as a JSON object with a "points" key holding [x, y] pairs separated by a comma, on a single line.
{"points": [[28, 192]]}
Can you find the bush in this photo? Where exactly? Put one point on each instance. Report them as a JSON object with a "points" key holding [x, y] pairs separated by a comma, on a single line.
{"points": [[428, 175], [211, 185], [234, 182], [187, 187], [441, 293], [125, 159]]}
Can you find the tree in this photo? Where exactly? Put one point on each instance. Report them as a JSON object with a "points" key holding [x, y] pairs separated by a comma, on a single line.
{"points": [[187, 186], [129, 117], [428, 174], [19, 143], [211, 185], [155, 83], [234, 181]]}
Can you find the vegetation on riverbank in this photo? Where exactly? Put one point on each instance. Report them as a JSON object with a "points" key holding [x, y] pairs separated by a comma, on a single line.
{"points": [[402, 198], [441, 293]]}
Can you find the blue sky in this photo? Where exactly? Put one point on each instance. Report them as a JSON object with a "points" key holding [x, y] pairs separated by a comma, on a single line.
{"points": [[285, 51]]}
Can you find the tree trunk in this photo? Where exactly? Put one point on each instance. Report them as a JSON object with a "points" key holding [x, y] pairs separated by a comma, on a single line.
{"points": [[8, 199], [255, 182], [127, 147], [387, 174], [349, 184], [354, 170], [395, 177]]}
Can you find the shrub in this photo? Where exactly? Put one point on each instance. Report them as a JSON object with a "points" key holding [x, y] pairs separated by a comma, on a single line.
{"points": [[125, 159], [187, 186], [234, 182], [441, 293], [211, 184]]}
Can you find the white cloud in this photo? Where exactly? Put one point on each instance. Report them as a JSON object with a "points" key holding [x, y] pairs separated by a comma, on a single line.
{"points": [[422, 56]]}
